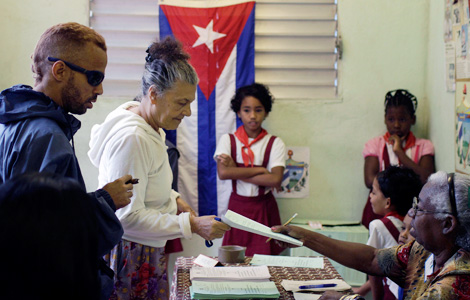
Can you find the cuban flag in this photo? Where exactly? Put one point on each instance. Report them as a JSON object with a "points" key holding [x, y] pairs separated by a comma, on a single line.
{"points": [[219, 36]]}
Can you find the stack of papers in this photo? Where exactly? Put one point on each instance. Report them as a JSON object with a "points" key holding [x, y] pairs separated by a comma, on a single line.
{"points": [[231, 283], [233, 290], [287, 261], [243, 223], [230, 274]]}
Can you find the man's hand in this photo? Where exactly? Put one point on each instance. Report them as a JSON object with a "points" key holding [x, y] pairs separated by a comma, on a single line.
{"points": [[120, 191]]}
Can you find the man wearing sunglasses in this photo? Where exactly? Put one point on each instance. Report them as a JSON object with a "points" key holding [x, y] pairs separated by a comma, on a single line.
{"points": [[37, 125]]}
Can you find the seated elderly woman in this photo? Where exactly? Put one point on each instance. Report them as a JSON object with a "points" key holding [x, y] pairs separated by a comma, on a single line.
{"points": [[434, 266]]}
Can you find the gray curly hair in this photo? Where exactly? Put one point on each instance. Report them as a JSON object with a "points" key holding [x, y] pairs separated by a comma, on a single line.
{"points": [[166, 63], [438, 187]]}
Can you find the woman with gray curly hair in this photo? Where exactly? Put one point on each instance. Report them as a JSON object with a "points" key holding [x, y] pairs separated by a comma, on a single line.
{"points": [[132, 141], [434, 266], [441, 202]]}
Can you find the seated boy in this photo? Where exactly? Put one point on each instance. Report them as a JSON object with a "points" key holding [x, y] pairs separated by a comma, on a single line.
{"points": [[392, 196]]}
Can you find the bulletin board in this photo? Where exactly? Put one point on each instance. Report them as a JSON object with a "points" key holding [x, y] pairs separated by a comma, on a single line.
{"points": [[456, 26], [462, 126]]}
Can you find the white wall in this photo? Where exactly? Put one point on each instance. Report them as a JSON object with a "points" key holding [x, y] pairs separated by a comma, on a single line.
{"points": [[386, 47], [441, 103], [21, 24]]}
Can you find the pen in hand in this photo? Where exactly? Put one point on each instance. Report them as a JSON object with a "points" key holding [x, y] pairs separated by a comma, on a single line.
{"points": [[210, 243], [133, 181], [286, 223]]}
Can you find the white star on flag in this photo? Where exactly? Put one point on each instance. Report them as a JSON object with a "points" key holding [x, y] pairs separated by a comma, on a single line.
{"points": [[207, 36]]}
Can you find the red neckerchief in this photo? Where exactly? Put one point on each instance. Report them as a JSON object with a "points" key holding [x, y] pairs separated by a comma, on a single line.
{"points": [[396, 215], [247, 154], [410, 140]]}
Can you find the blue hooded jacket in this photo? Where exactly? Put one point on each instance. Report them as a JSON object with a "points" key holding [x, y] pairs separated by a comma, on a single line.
{"points": [[35, 135]]}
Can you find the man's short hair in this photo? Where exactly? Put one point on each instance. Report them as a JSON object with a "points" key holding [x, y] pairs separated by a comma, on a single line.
{"points": [[65, 41]]}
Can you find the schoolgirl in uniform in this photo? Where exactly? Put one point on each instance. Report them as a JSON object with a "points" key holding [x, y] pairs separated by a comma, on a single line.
{"points": [[254, 160], [398, 146]]}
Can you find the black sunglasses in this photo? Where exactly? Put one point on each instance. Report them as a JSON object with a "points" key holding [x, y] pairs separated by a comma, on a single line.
{"points": [[94, 78]]}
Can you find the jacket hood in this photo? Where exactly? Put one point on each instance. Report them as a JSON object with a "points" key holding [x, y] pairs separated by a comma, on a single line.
{"points": [[119, 123], [22, 102]]}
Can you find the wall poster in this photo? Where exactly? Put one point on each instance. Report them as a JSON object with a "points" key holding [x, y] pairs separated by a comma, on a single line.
{"points": [[296, 175], [462, 126]]}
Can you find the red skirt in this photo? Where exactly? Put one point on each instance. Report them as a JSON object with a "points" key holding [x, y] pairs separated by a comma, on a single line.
{"points": [[173, 246], [262, 209]]}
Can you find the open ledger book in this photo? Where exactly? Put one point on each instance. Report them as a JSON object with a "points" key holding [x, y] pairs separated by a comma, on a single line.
{"points": [[232, 283], [212, 274], [233, 290], [243, 223]]}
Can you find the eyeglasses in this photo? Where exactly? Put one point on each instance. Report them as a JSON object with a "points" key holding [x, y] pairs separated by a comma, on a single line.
{"points": [[453, 202], [94, 78], [415, 209]]}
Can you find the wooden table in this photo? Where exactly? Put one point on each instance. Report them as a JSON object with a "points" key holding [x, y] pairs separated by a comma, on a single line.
{"points": [[181, 283], [356, 234]]}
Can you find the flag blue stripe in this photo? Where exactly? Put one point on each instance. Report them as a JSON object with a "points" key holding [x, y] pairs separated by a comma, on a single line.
{"points": [[207, 168], [165, 29], [246, 56]]}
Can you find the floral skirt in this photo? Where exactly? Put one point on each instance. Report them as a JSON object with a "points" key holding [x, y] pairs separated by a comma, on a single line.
{"points": [[140, 272]]}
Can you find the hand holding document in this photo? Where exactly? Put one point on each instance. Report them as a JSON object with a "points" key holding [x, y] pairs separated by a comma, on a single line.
{"points": [[243, 223], [285, 224], [318, 285]]}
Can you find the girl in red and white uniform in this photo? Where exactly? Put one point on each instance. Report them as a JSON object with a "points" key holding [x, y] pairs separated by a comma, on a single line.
{"points": [[254, 160]]}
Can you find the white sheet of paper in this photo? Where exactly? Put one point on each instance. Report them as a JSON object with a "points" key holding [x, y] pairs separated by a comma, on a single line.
{"points": [[287, 261], [293, 285], [230, 273], [305, 296], [205, 261], [243, 223]]}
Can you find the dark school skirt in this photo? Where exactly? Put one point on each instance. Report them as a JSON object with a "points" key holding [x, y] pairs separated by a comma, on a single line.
{"points": [[262, 209]]}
